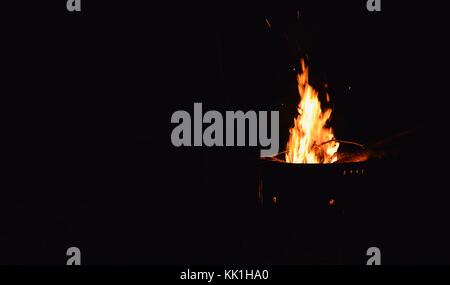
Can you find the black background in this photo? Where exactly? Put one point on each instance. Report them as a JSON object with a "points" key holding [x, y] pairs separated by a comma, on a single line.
{"points": [[96, 168]]}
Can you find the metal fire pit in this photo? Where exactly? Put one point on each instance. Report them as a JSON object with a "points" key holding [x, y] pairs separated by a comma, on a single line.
{"points": [[311, 211], [306, 187]]}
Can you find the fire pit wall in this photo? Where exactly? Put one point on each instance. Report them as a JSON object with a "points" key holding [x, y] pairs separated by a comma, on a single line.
{"points": [[317, 213]]}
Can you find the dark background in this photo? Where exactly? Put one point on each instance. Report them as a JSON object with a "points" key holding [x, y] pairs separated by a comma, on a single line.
{"points": [[98, 171]]}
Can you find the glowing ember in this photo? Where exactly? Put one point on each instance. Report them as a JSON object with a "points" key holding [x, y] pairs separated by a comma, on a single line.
{"points": [[310, 141], [331, 202]]}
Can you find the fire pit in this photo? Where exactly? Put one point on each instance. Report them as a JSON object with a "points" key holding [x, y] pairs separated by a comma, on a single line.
{"points": [[304, 191], [306, 186], [316, 213], [307, 174]]}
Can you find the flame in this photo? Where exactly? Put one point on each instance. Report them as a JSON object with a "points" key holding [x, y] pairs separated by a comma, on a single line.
{"points": [[310, 141]]}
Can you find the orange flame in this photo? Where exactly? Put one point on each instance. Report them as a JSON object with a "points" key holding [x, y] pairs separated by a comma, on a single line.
{"points": [[310, 141]]}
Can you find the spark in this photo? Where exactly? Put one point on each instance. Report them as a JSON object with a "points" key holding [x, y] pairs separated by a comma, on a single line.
{"points": [[268, 23]]}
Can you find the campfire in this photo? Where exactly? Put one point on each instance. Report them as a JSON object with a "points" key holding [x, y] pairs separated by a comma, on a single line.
{"points": [[310, 140]]}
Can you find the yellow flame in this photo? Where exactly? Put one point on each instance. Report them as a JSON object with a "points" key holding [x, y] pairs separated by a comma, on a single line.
{"points": [[310, 141]]}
